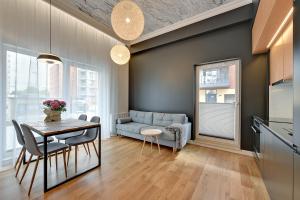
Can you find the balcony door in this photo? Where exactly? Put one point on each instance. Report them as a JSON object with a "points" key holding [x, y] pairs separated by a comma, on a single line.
{"points": [[218, 103]]}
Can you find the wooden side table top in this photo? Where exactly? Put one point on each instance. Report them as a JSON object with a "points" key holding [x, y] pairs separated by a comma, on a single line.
{"points": [[151, 132]]}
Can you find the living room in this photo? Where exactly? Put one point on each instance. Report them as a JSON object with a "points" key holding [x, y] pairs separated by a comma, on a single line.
{"points": [[133, 99]]}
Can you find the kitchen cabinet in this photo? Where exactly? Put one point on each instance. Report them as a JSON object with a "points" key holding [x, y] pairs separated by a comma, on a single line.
{"points": [[276, 61], [278, 166], [269, 16], [288, 63], [281, 56], [296, 176]]}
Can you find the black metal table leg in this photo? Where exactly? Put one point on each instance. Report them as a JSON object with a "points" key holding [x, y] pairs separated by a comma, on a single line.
{"points": [[46, 188], [99, 145], [45, 165]]}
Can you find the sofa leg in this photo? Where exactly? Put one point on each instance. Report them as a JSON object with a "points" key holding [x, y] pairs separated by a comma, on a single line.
{"points": [[174, 150]]}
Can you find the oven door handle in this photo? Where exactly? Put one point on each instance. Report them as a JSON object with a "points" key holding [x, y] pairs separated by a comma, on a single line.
{"points": [[255, 131]]}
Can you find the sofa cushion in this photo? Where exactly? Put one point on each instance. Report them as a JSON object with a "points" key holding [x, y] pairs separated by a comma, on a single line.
{"points": [[124, 120], [165, 119], [131, 127], [165, 135], [141, 117]]}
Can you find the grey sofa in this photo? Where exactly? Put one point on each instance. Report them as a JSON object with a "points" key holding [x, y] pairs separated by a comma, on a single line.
{"points": [[176, 130]]}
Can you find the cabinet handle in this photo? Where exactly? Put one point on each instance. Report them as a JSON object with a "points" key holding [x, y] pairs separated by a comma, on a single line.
{"points": [[253, 129]]}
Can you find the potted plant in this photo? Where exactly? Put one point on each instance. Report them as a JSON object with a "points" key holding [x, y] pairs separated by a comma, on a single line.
{"points": [[53, 109]]}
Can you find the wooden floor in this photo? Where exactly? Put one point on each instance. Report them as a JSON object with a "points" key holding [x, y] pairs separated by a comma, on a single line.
{"points": [[193, 173]]}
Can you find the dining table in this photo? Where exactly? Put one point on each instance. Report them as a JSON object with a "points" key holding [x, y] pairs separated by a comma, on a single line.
{"points": [[48, 129]]}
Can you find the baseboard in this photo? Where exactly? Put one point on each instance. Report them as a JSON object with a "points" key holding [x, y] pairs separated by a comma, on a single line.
{"points": [[242, 152]]}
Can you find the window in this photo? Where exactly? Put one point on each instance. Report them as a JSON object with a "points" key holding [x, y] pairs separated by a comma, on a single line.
{"points": [[229, 98], [83, 91], [214, 77], [211, 96], [29, 83]]}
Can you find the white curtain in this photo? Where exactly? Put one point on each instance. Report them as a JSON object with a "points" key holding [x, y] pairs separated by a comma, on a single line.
{"points": [[24, 33]]}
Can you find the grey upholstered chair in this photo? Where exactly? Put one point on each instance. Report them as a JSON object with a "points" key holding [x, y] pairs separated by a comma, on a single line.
{"points": [[20, 138], [72, 134], [35, 150], [88, 137]]}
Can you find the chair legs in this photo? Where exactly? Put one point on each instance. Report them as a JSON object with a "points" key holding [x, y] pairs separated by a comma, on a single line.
{"points": [[95, 148], [36, 166], [88, 147], [25, 170], [19, 161], [50, 160], [34, 172], [85, 149], [69, 155], [20, 155], [65, 165]]}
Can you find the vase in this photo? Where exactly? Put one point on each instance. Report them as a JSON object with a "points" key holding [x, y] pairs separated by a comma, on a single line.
{"points": [[52, 116]]}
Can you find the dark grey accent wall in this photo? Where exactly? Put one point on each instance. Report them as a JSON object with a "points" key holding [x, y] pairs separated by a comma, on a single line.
{"points": [[238, 15], [162, 78]]}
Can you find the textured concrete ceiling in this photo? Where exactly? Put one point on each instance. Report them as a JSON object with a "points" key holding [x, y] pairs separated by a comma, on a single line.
{"points": [[158, 13]]}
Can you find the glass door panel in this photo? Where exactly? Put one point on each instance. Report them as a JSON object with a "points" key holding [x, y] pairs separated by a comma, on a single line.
{"points": [[218, 99]]}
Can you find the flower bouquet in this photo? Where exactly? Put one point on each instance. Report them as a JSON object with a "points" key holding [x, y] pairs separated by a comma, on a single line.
{"points": [[53, 109]]}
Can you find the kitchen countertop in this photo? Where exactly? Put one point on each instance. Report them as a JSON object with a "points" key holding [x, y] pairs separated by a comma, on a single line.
{"points": [[282, 128]]}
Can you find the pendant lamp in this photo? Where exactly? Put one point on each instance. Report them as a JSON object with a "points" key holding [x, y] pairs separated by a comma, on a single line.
{"points": [[49, 58], [127, 20], [120, 54]]}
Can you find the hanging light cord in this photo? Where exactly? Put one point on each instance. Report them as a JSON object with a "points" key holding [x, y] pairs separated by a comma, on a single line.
{"points": [[50, 27]]}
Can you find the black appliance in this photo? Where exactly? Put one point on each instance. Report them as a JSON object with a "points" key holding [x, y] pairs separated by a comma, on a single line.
{"points": [[255, 126]]}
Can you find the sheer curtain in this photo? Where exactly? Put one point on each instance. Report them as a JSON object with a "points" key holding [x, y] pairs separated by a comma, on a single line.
{"points": [[87, 80]]}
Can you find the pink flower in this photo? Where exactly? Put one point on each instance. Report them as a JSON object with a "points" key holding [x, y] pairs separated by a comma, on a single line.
{"points": [[47, 102], [54, 105], [62, 103]]}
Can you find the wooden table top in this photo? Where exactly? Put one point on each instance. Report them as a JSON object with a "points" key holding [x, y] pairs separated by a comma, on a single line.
{"points": [[60, 127]]}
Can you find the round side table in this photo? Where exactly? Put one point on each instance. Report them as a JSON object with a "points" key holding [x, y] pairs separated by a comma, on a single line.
{"points": [[152, 133]]}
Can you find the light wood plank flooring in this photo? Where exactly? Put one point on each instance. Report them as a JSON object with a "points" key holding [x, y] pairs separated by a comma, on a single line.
{"points": [[193, 173]]}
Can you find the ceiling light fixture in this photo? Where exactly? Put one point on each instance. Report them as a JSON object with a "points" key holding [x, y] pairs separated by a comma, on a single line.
{"points": [[127, 20], [280, 27], [120, 54], [49, 58]]}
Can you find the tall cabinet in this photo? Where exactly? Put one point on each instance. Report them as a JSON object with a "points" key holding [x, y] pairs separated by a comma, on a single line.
{"points": [[281, 56]]}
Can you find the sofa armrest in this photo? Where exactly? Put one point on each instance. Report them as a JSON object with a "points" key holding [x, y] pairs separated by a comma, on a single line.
{"points": [[182, 133], [186, 134]]}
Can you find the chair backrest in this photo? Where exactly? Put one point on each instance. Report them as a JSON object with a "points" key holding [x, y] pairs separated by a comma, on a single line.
{"points": [[30, 142], [93, 132], [82, 117], [19, 133]]}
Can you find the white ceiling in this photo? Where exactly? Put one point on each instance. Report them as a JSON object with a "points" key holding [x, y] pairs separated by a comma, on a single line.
{"points": [[158, 13]]}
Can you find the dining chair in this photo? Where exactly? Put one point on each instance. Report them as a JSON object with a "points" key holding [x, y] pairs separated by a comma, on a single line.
{"points": [[38, 150], [89, 137], [20, 138], [73, 134]]}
